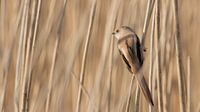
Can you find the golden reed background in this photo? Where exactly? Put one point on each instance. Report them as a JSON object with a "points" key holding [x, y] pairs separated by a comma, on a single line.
{"points": [[42, 50]]}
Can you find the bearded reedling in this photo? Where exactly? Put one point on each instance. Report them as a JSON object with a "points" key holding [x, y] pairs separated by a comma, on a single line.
{"points": [[131, 51]]}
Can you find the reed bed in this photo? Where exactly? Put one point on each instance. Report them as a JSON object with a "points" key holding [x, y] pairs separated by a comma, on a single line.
{"points": [[59, 55]]}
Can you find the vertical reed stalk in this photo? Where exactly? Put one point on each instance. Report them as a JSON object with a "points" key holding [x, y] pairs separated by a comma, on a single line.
{"points": [[157, 50], [180, 79], [58, 35], [188, 84], [180, 69], [110, 70], [82, 73], [2, 35], [51, 75], [137, 99], [23, 35], [151, 58], [18, 62], [110, 21], [129, 94], [149, 9], [33, 48]]}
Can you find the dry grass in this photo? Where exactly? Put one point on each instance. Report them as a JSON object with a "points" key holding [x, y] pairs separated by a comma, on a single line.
{"points": [[59, 55]]}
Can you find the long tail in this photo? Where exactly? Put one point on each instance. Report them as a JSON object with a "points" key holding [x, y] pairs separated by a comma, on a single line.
{"points": [[144, 87]]}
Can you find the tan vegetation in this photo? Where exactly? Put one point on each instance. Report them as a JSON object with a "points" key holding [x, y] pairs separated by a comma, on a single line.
{"points": [[59, 55]]}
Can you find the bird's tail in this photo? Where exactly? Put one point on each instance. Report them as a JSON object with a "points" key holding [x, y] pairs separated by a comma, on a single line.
{"points": [[144, 87]]}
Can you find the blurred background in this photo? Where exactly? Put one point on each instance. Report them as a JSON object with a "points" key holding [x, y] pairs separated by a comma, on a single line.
{"points": [[60, 56]]}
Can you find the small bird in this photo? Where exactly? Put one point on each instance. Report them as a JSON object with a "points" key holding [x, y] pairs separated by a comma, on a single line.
{"points": [[131, 51]]}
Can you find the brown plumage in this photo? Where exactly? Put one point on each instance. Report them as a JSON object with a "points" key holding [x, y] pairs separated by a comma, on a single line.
{"points": [[132, 54]]}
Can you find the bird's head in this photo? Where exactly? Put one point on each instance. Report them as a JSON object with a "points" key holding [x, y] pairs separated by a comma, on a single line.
{"points": [[122, 32]]}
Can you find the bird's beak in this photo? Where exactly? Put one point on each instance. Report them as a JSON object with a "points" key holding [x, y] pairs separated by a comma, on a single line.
{"points": [[113, 33]]}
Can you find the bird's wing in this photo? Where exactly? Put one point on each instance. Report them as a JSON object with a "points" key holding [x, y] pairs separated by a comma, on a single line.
{"points": [[132, 52], [133, 44], [126, 61], [139, 51]]}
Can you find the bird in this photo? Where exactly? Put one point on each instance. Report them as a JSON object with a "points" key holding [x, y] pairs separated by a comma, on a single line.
{"points": [[131, 52]]}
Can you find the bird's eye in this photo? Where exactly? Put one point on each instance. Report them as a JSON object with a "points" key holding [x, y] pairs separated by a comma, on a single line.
{"points": [[117, 31]]}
